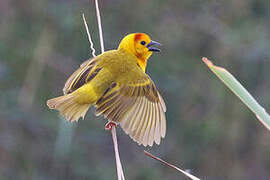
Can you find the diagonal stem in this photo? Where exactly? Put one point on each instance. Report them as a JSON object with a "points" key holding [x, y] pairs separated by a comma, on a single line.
{"points": [[89, 37], [170, 165]]}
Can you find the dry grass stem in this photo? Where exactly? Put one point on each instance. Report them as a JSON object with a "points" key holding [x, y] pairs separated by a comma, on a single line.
{"points": [[120, 173], [170, 165], [89, 37], [99, 27]]}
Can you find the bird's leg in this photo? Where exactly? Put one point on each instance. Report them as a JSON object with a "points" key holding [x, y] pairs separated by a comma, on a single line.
{"points": [[110, 125]]}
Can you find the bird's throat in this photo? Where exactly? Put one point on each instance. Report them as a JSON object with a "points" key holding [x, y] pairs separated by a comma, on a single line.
{"points": [[142, 63]]}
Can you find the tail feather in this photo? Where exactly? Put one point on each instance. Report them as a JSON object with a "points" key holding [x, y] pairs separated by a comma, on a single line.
{"points": [[68, 107]]}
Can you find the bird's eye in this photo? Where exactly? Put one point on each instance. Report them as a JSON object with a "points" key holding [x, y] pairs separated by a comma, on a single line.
{"points": [[143, 43]]}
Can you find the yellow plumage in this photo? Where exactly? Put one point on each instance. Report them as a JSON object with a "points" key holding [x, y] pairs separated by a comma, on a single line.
{"points": [[116, 84]]}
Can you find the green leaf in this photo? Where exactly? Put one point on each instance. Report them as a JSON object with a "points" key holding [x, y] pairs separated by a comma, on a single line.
{"points": [[231, 82]]}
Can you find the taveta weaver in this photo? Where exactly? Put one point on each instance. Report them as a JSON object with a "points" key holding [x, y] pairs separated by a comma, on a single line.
{"points": [[115, 82]]}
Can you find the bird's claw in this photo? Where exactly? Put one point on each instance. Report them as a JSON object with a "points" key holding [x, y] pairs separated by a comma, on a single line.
{"points": [[110, 125]]}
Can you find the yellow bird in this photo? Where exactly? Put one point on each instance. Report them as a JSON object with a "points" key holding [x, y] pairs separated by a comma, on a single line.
{"points": [[115, 82]]}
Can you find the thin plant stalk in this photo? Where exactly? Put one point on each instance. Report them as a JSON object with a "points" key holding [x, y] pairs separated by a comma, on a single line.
{"points": [[120, 173], [99, 27], [172, 166], [89, 37]]}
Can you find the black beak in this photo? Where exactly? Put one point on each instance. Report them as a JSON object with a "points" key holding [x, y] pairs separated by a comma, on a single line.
{"points": [[151, 48]]}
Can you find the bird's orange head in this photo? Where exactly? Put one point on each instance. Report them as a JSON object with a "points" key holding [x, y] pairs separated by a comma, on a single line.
{"points": [[140, 45]]}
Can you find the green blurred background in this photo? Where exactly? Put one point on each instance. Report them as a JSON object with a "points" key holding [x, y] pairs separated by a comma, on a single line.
{"points": [[210, 132]]}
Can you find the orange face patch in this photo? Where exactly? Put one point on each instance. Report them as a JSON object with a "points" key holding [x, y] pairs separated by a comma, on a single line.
{"points": [[138, 37]]}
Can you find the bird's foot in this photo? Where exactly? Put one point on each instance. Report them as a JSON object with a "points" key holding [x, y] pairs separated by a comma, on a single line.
{"points": [[110, 125]]}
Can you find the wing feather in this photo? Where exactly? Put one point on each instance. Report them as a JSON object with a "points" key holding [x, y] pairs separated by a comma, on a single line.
{"points": [[148, 122], [125, 122], [138, 107], [153, 126], [157, 129], [134, 118], [162, 122], [142, 129], [85, 73]]}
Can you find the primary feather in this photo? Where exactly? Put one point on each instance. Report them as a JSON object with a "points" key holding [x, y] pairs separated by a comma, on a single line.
{"points": [[115, 82]]}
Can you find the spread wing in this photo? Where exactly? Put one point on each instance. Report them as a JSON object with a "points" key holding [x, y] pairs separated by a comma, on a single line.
{"points": [[138, 107], [87, 71]]}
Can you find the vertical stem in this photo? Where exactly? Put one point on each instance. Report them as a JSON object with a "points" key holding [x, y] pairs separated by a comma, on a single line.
{"points": [[120, 173], [99, 28]]}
